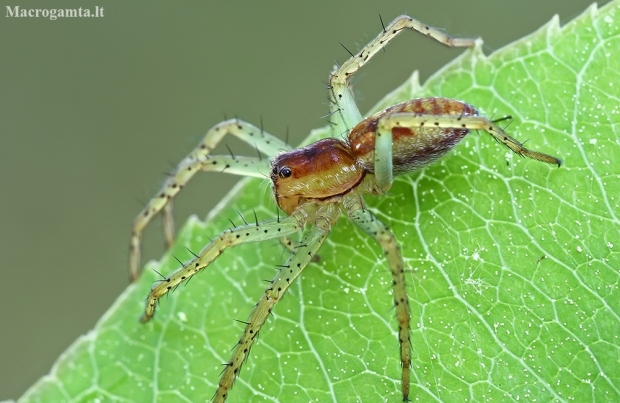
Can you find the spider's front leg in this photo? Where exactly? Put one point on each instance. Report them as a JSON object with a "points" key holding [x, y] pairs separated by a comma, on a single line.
{"points": [[291, 245], [343, 101], [235, 236], [300, 258], [372, 226], [201, 160]]}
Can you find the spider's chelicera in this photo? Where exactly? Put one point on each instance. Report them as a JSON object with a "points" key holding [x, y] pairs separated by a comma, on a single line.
{"points": [[315, 184]]}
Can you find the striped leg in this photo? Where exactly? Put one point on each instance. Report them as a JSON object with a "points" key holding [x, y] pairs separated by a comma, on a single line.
{"points": [[371, 225], [343, 101], [200, 160]]}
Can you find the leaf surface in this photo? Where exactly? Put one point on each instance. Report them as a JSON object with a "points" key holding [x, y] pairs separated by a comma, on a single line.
{"points": [[513, 265]]}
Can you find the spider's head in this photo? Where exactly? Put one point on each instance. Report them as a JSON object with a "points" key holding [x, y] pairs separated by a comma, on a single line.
{"points": [[320, 171]]}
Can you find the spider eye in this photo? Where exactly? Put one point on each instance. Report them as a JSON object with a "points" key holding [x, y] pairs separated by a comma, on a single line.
{"points": [[285, 172]]}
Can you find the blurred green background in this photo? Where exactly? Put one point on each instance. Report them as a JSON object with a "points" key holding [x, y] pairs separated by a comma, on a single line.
{"points": [[94, 112]]}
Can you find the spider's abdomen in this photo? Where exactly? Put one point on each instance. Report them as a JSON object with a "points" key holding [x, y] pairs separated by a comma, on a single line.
{"points": [[412, 147]]}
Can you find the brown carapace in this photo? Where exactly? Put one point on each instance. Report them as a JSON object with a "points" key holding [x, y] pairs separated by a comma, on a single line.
{"points": [[316, 184]]}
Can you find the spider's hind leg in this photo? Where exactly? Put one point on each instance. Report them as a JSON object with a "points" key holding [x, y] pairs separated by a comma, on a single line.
{"points": [[451, 128]]}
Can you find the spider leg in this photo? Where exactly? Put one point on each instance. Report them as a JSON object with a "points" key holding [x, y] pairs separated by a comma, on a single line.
{"points": [[288, 243], [469, 122], [232, 237], [168, 224], [383, 163], [343, 101], [200, 160], [300, 258], [292, 245], [372, 226]]}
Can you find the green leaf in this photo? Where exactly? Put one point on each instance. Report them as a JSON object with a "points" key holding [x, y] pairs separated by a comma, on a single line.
{"points": [[514, 265]]}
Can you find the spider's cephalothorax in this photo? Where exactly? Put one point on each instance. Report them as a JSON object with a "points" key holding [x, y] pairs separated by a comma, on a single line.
{"points": [[315, 184], [322, 171]]}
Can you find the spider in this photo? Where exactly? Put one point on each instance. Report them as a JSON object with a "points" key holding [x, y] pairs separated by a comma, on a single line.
{"points": [[316, 184]]}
